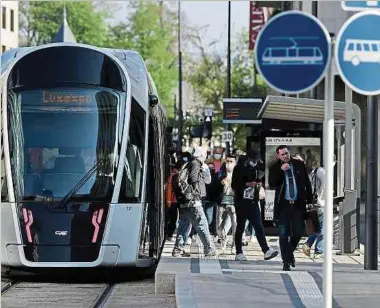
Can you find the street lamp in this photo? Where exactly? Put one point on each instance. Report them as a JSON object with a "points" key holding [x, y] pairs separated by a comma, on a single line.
{"points": [[180, 115]]}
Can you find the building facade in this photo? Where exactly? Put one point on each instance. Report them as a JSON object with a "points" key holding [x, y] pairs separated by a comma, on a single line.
{"points": [[9, 25]]}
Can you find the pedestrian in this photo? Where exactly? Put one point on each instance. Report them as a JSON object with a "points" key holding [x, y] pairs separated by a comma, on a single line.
{"points": [[246, 183], [188, 191], [317, 178], [290, 180]]}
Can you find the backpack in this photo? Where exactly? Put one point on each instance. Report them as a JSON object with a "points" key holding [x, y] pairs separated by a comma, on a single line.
{"points": [[182, 189]]}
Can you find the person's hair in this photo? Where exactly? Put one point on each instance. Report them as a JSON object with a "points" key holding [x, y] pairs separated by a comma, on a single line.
{"points": [[280, 147], [186, 154], [231, 156]]}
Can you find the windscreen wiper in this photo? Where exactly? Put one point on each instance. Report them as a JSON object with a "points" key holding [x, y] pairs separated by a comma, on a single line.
{"points": [[80, 184]]}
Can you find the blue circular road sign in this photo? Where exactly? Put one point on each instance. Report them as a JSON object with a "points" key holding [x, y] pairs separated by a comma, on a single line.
{"points": [[292, 52], [357, 53]]}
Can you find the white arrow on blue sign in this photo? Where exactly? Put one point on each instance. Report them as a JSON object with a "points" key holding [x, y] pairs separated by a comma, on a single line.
{"points": [[357, 53], [292, 52], [360, 5]]}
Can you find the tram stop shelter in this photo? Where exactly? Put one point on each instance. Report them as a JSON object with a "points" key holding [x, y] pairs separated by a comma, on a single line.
{"points": [[312, 111]]}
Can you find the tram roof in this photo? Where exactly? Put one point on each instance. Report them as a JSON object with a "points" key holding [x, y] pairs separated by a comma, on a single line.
{"points": [[299, 109], [131, 60]]}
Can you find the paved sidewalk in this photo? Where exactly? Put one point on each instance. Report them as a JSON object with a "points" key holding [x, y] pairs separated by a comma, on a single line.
{"points": [[223, 282]]}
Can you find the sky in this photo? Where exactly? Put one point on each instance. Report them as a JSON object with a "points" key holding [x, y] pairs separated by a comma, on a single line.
{"points": [[215, 15]]}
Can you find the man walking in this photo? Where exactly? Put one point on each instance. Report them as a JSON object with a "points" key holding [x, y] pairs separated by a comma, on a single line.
{"points": [[188, 190], [246, 183], [291, 182]]}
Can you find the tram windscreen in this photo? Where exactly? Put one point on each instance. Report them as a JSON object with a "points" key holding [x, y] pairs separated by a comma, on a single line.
{"points": [[57, 135]]}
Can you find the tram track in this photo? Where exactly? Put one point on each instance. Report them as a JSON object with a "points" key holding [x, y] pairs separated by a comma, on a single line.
{"points": [[129, 294], [103, 297], [8, 286]]}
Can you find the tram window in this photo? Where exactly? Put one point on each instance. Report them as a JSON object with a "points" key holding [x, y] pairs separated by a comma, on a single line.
{"points": [[358, 47], [366, 47], [133, 171], [374, 47]]}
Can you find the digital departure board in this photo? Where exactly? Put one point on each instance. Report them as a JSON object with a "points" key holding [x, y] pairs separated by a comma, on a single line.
{"points": [[241, 110]]}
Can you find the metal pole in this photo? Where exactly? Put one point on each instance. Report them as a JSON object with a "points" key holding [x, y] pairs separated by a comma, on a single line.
{"points": [[314, 11], [358, 167], [348, 172], [180, 116], [228, 85], [328, 151], [370, 252]]}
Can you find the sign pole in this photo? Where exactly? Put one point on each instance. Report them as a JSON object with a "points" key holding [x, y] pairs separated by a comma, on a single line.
{"points": [[328, 151], [370, 253]]}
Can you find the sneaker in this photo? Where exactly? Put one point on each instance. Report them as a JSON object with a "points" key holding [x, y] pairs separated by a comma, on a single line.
{"points": [[306, 249], [270, 254], [188, 241], [318, 255], [176, 253], [186, 254], [212, 253], [240, 257]]}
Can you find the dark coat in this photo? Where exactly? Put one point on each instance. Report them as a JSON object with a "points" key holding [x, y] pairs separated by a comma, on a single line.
{"points": [[277, 182]]}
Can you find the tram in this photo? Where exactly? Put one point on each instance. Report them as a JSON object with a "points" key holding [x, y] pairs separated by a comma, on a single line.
{"points": [[83, 159]]}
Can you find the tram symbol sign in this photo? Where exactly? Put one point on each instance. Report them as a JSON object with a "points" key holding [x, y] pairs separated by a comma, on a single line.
{"points": [[227, 136], [292, 52], [357, 52]]}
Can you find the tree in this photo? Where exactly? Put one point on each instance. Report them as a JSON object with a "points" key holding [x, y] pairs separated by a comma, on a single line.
{"points": [[207, 76], [150, 29], [40, 21]]}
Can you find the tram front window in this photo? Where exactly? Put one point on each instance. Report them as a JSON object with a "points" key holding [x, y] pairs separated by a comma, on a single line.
{"points": [[58, 135]]}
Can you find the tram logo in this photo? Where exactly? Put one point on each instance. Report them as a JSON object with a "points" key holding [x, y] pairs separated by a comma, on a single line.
{"points": [[61, 233]]}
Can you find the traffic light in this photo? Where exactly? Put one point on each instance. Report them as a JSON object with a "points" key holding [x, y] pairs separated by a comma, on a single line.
{"points": [[207, 127]]}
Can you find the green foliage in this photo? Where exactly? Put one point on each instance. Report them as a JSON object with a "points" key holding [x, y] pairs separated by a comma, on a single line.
{"points": [[208, 78], [150, 29], [41, 20]]}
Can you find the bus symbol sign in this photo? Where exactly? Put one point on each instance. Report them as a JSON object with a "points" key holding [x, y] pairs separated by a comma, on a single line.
{"points": [[292, 52], [357, 53]]}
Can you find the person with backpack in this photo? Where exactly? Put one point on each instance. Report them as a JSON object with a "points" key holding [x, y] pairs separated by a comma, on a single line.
{"points": [[317, 179], [188, 191]]}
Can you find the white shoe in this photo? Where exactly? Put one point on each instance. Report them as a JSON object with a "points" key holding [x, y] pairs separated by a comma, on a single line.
{"points": [[270, 254], [188, 241], [240, 257]]}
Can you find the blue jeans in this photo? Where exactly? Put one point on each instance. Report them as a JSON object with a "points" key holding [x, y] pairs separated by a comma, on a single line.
{"points": [[208, 207], [317, 237], [196, 217]]}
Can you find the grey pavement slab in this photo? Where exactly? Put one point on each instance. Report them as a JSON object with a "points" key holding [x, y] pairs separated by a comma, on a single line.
{"points": [[277, 288]]}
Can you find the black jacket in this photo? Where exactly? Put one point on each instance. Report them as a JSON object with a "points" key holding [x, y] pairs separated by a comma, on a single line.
{"points": [[243, 173], [277, 182]]}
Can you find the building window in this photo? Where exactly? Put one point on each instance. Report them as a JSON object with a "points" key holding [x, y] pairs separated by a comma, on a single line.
{"points": [[4, 17], [3, 48], [12, 20]]}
